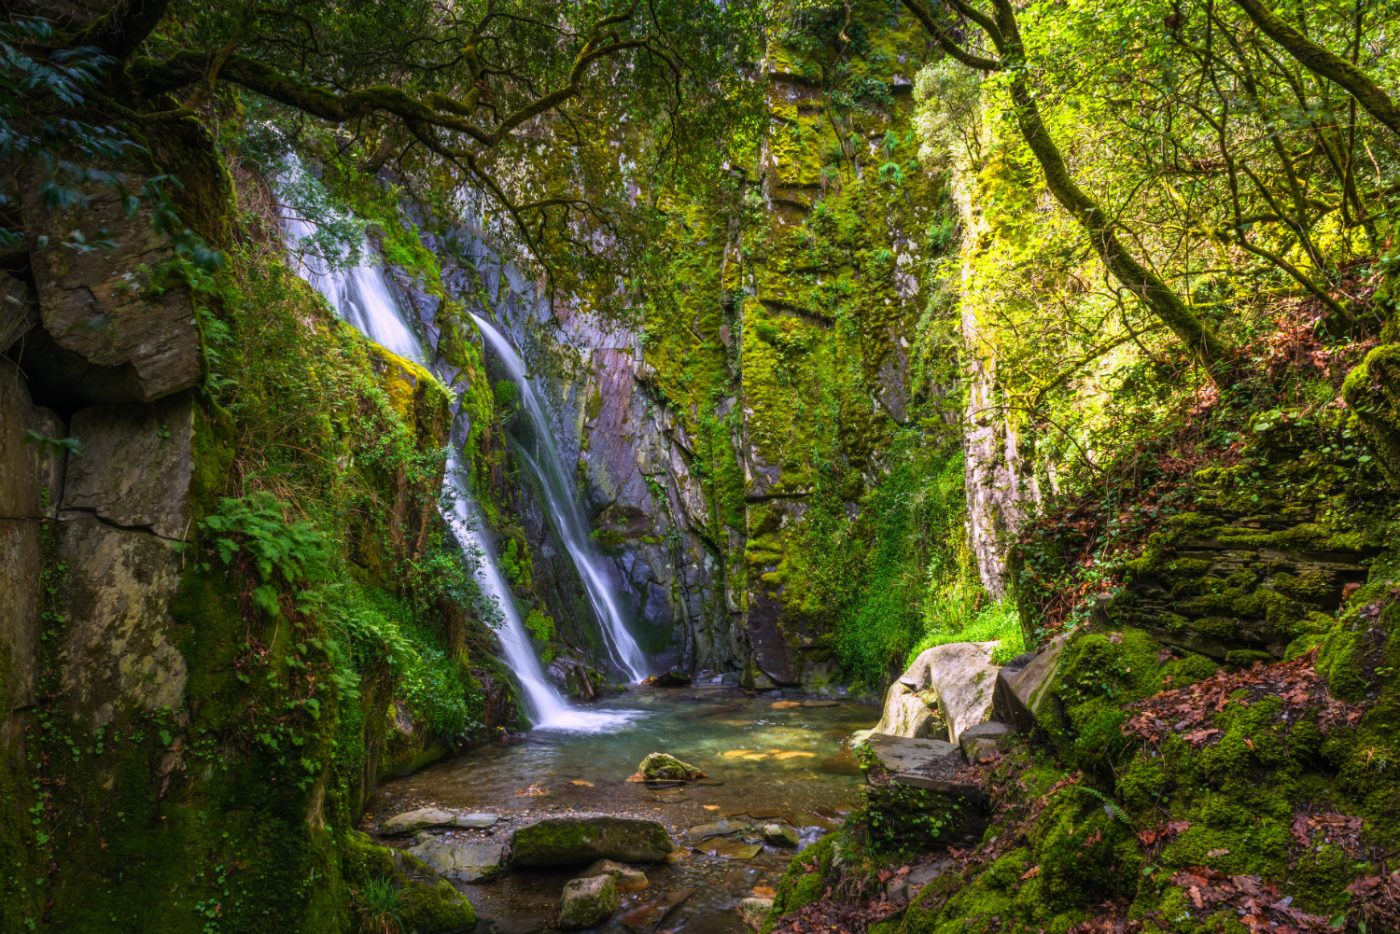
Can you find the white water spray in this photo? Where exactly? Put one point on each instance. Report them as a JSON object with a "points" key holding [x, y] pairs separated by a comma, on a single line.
{"points": [[362, 296], [562, 497]]}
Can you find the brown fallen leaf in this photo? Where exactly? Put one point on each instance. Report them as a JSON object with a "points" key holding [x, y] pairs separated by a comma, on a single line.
{"points": [[1169, 829], [581, 782], [764, 891], [1196, 737], [710, 807], [1217, 852], [1030, 873]]}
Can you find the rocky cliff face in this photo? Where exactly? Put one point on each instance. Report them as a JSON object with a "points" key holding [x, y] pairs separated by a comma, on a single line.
{"points": [[767, 372], [215, 502]]}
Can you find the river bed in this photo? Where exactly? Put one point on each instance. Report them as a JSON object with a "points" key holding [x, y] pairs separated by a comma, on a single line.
{"points": [[769, 758]]}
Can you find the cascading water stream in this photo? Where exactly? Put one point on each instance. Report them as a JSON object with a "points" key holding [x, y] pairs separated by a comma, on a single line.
{"points": [[562, 497], [362, 296]]}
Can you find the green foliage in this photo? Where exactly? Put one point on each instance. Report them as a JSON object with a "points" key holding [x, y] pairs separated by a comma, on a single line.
{"points": [[379, 903], [282, 554], [39, 88], [507, 393], [952, 617], [435, 686], [900, 578], [540, 625]]}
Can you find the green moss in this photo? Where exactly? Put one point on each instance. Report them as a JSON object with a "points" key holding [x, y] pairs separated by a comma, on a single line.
{"points": [[805, 879], [424, 903], [1371, 394]]}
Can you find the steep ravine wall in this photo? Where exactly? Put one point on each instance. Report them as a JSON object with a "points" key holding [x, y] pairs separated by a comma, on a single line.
{"points": [[770, 364], [216, 635]]}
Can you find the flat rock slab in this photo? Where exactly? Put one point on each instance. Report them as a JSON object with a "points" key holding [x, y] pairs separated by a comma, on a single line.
{"points": [[719, 828], [462, 860], [579, 841], [648, 917], [428, 818], [726, 848], [924, 763], [902, 754]]}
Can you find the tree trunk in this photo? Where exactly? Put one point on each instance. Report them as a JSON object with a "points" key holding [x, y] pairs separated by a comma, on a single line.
{"points": [[1205, 347]]}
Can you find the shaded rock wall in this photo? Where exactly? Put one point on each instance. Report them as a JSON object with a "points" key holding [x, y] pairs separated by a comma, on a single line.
{"points": [[770, 363], [160, 718]]}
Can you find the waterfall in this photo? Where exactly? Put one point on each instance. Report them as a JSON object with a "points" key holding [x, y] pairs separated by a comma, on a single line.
{"points": [[565, 509], [363, 297]]}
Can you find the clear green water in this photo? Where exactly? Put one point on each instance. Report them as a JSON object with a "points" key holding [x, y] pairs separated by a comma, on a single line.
{"points": [[786, 762]]}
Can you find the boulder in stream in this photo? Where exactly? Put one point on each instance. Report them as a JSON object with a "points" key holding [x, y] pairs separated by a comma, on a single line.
{"points": [[627, 878], [675, 678], [961, 675], [779, 834], [426, 818], [461, 860], [663, 767], [754, 911], [578, 841], [907, 712], [587, 902]]}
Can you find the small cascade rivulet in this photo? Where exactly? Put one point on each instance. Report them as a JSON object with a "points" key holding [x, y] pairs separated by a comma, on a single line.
{"points": [[363, 297], [565, 507]]}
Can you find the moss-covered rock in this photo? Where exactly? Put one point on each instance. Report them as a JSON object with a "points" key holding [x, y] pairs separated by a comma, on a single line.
{"points": [[396, 885], [1371, 392], [578, 841], [663, 767], [587, 901]]}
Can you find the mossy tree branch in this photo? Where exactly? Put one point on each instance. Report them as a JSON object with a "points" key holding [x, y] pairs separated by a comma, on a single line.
{"points": [[1324, 63], [1212, 353]]}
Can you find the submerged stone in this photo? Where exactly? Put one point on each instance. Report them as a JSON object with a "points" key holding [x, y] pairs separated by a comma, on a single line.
{"points": [[587, 902], [578, 841], [720, 828], [726, 848], [649, 916]]}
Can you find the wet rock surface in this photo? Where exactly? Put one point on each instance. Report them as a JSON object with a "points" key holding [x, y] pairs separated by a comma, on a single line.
{"points": [[663, 767], [425, 818], [587, 902], [580, 840], [772, 760], [628, 878], [462, 860]]}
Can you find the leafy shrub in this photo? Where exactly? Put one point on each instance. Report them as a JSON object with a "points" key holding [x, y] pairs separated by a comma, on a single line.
{"points": [[282, 555]]}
